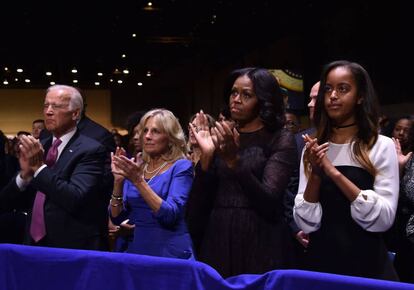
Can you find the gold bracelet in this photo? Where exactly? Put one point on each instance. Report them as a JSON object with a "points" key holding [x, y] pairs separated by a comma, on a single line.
{"points": [[116, 204], [116, 197]]}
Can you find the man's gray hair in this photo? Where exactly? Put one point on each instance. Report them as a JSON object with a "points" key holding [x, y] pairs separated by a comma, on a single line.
{"points": [[75, 97]]}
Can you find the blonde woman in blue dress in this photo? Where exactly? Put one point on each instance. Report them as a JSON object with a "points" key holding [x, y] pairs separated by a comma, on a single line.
{"points": [[152, 190]]}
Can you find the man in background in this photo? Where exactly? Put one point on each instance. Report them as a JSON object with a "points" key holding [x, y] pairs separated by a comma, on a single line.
{"points": [[37, 126]]}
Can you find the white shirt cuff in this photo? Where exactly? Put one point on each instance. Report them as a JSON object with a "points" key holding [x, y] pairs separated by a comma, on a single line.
{"points": [[307, 215], [39, 169], [21, 183]]}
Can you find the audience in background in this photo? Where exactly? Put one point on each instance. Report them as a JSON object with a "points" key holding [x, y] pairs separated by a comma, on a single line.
{"points": [[400, 132], [404, 224], [301, 236], [292, 122], [132, 139], [194, 150], [118, 140], [37, 126]]}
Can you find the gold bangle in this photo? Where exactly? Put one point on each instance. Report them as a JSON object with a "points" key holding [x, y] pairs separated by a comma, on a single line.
{"points": [[116, 204], [116, 197]]}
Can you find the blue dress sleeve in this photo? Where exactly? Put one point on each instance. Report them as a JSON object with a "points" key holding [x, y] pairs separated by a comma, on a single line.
{"points": [[172, 208]]}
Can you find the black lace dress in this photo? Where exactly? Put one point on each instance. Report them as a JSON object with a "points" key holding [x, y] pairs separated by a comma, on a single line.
{"points": [[235, 217]]}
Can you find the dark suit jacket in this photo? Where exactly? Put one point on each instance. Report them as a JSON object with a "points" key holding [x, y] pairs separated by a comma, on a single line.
{"points": [[75, 207], [95, 131], [90, 128], [292, 190]]}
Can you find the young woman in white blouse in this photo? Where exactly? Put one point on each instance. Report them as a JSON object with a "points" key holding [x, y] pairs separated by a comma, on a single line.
{"points": [[348, 189]]}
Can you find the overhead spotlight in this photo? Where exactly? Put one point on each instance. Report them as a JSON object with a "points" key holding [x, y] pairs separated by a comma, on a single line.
{"points": [[149, 73], [120, 81], [123, 56], [111, 80], [27, 81], [75, 81], [19, 70], [16, 79], [5, 82], [134, 35], [97, 83], [52, 83], [6, 68], [48, 73], [116, 71], [100, 74], [74, 70], [150, 7], [125, 71], [140, 84]]}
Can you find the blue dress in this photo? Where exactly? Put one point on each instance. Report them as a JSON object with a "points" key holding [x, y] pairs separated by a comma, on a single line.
{"points": [[163, 233]]}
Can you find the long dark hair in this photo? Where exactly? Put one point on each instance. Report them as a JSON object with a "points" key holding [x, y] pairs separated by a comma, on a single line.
{"points": [[366, 113], [267, 90]]}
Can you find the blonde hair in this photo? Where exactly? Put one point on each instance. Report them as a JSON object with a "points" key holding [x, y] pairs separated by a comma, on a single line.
{"points": [[169, 124]]}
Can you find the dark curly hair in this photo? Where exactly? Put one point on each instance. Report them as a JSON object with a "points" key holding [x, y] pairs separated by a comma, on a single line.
{"points": [[267, 90]]}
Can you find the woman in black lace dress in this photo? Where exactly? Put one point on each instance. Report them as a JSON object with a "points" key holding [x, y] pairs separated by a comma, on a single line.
{"points": [[235, 211]]}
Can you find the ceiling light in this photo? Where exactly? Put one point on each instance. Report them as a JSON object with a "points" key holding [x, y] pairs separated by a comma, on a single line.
{"points": [[150, 7], [52, 83], [111, 80], [6, 68], [16, 79], [75, 81], [27, 81], [5, 82], [19, 70], [123, 56], [148, 73], [140, 84], [97, 83], [74, 70], [100, 74], [48, 73], [125, 71], [134, 35], [119, 81]]}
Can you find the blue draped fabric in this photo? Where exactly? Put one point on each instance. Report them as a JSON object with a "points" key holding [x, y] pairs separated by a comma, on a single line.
{"points": [[27, 267]]}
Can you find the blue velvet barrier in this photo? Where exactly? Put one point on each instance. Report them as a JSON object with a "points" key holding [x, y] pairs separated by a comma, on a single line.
{"points": [[24, 267]]}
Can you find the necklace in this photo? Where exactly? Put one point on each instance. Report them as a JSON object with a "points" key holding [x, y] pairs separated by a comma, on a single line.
{"points": [[345, 126], [155, 171]]}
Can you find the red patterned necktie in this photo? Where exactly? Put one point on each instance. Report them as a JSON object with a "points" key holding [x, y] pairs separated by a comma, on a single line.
{"points": [[37, 226]]}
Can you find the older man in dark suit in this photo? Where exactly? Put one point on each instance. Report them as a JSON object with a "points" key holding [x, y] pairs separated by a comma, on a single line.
{"points": [[69, 208]]}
